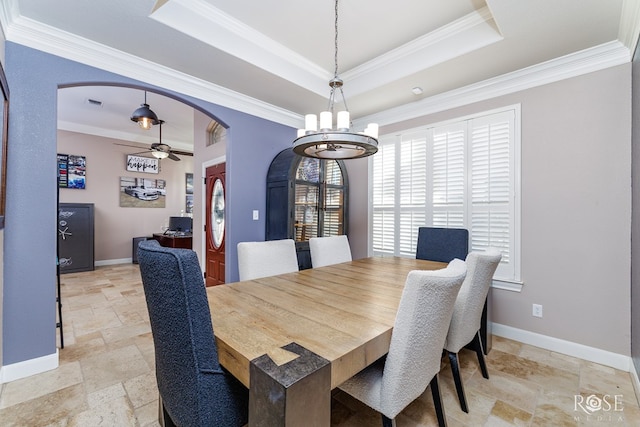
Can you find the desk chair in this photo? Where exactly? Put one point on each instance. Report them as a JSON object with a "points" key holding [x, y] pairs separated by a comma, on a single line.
{"points": [[194, 389], [329, 250], [263, 259], [467, 314], [442, 244], [413, 361]]}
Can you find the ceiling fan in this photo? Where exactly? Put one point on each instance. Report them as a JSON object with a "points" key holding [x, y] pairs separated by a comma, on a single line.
{"points": [[160, 150]]}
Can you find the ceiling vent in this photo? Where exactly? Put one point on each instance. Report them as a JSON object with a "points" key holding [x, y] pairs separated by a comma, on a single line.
{"points": [[94, 103]]}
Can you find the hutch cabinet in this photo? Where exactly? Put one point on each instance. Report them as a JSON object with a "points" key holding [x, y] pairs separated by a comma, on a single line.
{"points": [[306, 198]]}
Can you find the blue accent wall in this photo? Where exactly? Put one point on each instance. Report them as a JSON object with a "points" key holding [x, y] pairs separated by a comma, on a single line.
{"points": [[30, 234]]}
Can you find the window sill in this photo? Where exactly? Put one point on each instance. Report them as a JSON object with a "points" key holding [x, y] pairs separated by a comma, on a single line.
{"points": [[506, 285]]}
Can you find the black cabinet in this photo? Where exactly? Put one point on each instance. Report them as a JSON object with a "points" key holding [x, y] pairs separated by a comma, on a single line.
{"points": [[75, 237], [306, 198]]}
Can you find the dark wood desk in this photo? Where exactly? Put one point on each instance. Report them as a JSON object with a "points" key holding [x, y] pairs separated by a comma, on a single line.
{"points": [[342, 315], [174, 241]]}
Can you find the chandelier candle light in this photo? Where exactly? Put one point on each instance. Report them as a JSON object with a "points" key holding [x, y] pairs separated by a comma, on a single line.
{"points": [[338, 143]]}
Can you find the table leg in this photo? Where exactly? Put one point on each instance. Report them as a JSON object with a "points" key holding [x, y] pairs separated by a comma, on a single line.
{"points": [[295, 393]]}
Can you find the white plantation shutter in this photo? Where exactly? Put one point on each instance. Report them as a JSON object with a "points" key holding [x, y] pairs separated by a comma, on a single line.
{"points": [[492, 187], [448, 179], [412, 188], [384, 167], [459, 175]]}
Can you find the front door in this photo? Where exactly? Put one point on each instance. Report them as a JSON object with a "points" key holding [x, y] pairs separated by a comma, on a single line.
{"points": [[214, 224]]}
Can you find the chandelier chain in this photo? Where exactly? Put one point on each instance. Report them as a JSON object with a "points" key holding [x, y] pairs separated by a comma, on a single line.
{"points": [[335, 72]]}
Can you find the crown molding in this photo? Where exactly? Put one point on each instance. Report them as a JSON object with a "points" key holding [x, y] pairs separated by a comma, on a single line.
{"points": [[471, 32], [9, 11], [48, 39], [204, 22], [586, 61], [42, 37], [629, 24]]}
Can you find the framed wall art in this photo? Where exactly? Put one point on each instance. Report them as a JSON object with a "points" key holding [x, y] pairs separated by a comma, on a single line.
{"points": [[72, 171], [142, 164], [189, 193], [142, 192]]}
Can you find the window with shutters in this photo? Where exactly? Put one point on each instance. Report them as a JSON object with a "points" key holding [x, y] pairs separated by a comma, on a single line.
{"points": [[460, 174]]}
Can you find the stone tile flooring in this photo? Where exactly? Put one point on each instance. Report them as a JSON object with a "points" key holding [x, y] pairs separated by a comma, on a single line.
{"points": [[106, 375]]}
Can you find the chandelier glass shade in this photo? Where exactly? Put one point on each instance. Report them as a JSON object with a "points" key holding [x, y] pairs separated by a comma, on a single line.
{"points": [[323, 140], [144, 116]]}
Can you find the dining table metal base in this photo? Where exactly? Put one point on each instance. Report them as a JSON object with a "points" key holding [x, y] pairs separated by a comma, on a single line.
{"points": [[290, 387]]}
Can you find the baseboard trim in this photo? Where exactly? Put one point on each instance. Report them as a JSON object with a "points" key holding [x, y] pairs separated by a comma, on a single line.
{"points": [[635, 381], [26, 368], [592, 354], [113, 262]]}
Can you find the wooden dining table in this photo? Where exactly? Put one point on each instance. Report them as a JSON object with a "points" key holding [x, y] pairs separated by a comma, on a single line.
{"points": [[299, 335]]}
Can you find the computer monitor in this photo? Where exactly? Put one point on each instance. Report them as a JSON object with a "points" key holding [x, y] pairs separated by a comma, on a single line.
{"points": [[183, 224]]}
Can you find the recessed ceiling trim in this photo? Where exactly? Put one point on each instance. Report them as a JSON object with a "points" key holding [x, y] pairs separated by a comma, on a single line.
{"points": [[9, 11], [586, 61], [464, 35], [36, 35], [203, 22], [629, 25]]}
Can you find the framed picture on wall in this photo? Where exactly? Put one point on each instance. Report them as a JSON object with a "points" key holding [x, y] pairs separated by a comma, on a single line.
{"points": [[72, 171], [189, 192], [142, 192]]}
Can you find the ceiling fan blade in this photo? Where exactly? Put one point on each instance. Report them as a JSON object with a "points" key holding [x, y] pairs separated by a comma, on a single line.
{"points": [[129, 145], [141, 152], [182, 153], [174, 157]]}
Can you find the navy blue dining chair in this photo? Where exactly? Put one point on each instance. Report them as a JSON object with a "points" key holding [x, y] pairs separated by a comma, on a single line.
{"points": [[442, 244], [194, 389]]}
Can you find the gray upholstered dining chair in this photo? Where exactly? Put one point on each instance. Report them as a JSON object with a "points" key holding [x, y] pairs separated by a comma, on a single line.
{"points": [[263, 259], [194, 389], [329, 250], [467, 314], [413, 361], [442, 244]]}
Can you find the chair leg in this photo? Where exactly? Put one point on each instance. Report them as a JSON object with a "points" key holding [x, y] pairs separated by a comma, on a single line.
{"points": [[457, 379], [477, 346], [388, 422], [437, 401]]}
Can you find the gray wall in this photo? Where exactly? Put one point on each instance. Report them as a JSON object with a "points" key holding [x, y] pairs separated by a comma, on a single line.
{"points": [[635, 220], [576, 208], [30, 235]]}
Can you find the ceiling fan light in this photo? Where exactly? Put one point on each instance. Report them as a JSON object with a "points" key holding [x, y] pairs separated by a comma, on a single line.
{"points": [[160, 154]]}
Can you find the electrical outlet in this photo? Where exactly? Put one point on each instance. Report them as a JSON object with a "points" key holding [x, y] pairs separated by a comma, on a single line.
{"points": [[537, 310], [256, 215]]}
